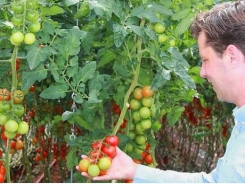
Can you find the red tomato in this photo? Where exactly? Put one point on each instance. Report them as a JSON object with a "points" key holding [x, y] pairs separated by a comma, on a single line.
{"points": [[19, 145], [98, 144], [2, 170], [148, 159], [4, 94], [1, 178], [112, 140], [109, 151]]}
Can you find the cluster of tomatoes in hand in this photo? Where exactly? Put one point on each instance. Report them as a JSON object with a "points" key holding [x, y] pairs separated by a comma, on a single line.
{"points": [[25, 17], [100, 157], [11, 111]]}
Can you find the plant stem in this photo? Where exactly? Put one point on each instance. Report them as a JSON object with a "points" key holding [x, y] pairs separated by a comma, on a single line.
{"points": [[134, 83]]}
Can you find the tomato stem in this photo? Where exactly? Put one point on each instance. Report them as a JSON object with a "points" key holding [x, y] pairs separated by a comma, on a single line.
{"points": [[134, 83]]}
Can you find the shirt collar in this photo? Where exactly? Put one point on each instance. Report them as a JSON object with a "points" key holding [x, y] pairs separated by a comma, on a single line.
{"points": [[239, 114]]}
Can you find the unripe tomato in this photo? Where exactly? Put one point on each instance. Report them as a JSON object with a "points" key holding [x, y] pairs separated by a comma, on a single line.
{"points": [[84, 164], [32, 4], [18, 37], [18, 96], [135, 104], [11, 126], [147, 102], [93, 170], [159, 28], [104, 163], [136, 116], [19, 110], [9, 135], [140, 139], [145, 112], [3, 118], [162, 38], [172, 43], [17, 20], [29, 38], [147, 91], [32, 15], [17, 7], [23, 128], [34, 27], [146, 123], [19, 145], [137, 94]]}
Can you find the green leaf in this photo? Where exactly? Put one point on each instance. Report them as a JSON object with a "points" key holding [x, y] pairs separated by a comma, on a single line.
{"points": [[71, 2], [30, 77], [86, 73], [103, 8], [87, 40], [55, 92], [174, 115], [71, 158], [81, 122], [107, 57], [66, 115], [136, 29], [120, 33], [53, 10], [184, 25], [161, 77], [93, 97], [36, 55], [181, 14]]}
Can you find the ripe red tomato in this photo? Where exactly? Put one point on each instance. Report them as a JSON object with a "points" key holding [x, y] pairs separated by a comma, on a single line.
{"points": [[98, 144], [112, 140], [109, 151], [137, 94], [2, 170], [12, 144], [1, 178], [148, 159], [147, 91], [84, 164], [4, 95]]}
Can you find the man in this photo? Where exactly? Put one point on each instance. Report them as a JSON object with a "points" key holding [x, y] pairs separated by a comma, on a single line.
{"points": [[220, 34]]}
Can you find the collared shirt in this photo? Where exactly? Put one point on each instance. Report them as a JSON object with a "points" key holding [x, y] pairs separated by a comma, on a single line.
{"points": [[230, 168]]}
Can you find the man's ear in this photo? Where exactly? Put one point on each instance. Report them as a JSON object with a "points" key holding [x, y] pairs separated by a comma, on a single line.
{"points": [[235, 54]]}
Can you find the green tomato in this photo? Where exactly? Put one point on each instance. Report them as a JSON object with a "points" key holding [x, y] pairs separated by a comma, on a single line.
{"points": [[145, 112], [104, 163], [172, 43], [34, 27], [162, 38], [18, 37], [159, 28], [140, 139], [19, 110], [135, 104], [129, 147], [29, 38], [32, 15], [131, 134], [11, 126], [3, 118], [146, 124], [17, 20], [9, 135], [93, 170], [17, 7], [23, 127], [32, 4], [147, 102], [136, 116], [6, 106]]}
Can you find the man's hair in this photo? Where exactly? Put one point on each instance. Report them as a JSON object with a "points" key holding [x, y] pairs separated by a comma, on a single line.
{"points": [[224, 24]]}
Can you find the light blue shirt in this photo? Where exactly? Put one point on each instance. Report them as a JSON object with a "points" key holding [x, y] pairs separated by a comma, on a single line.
{"points": [[230, 168]]}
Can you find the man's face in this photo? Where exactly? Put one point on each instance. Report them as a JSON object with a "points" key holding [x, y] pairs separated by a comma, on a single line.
{"points": [[214, 68]]}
